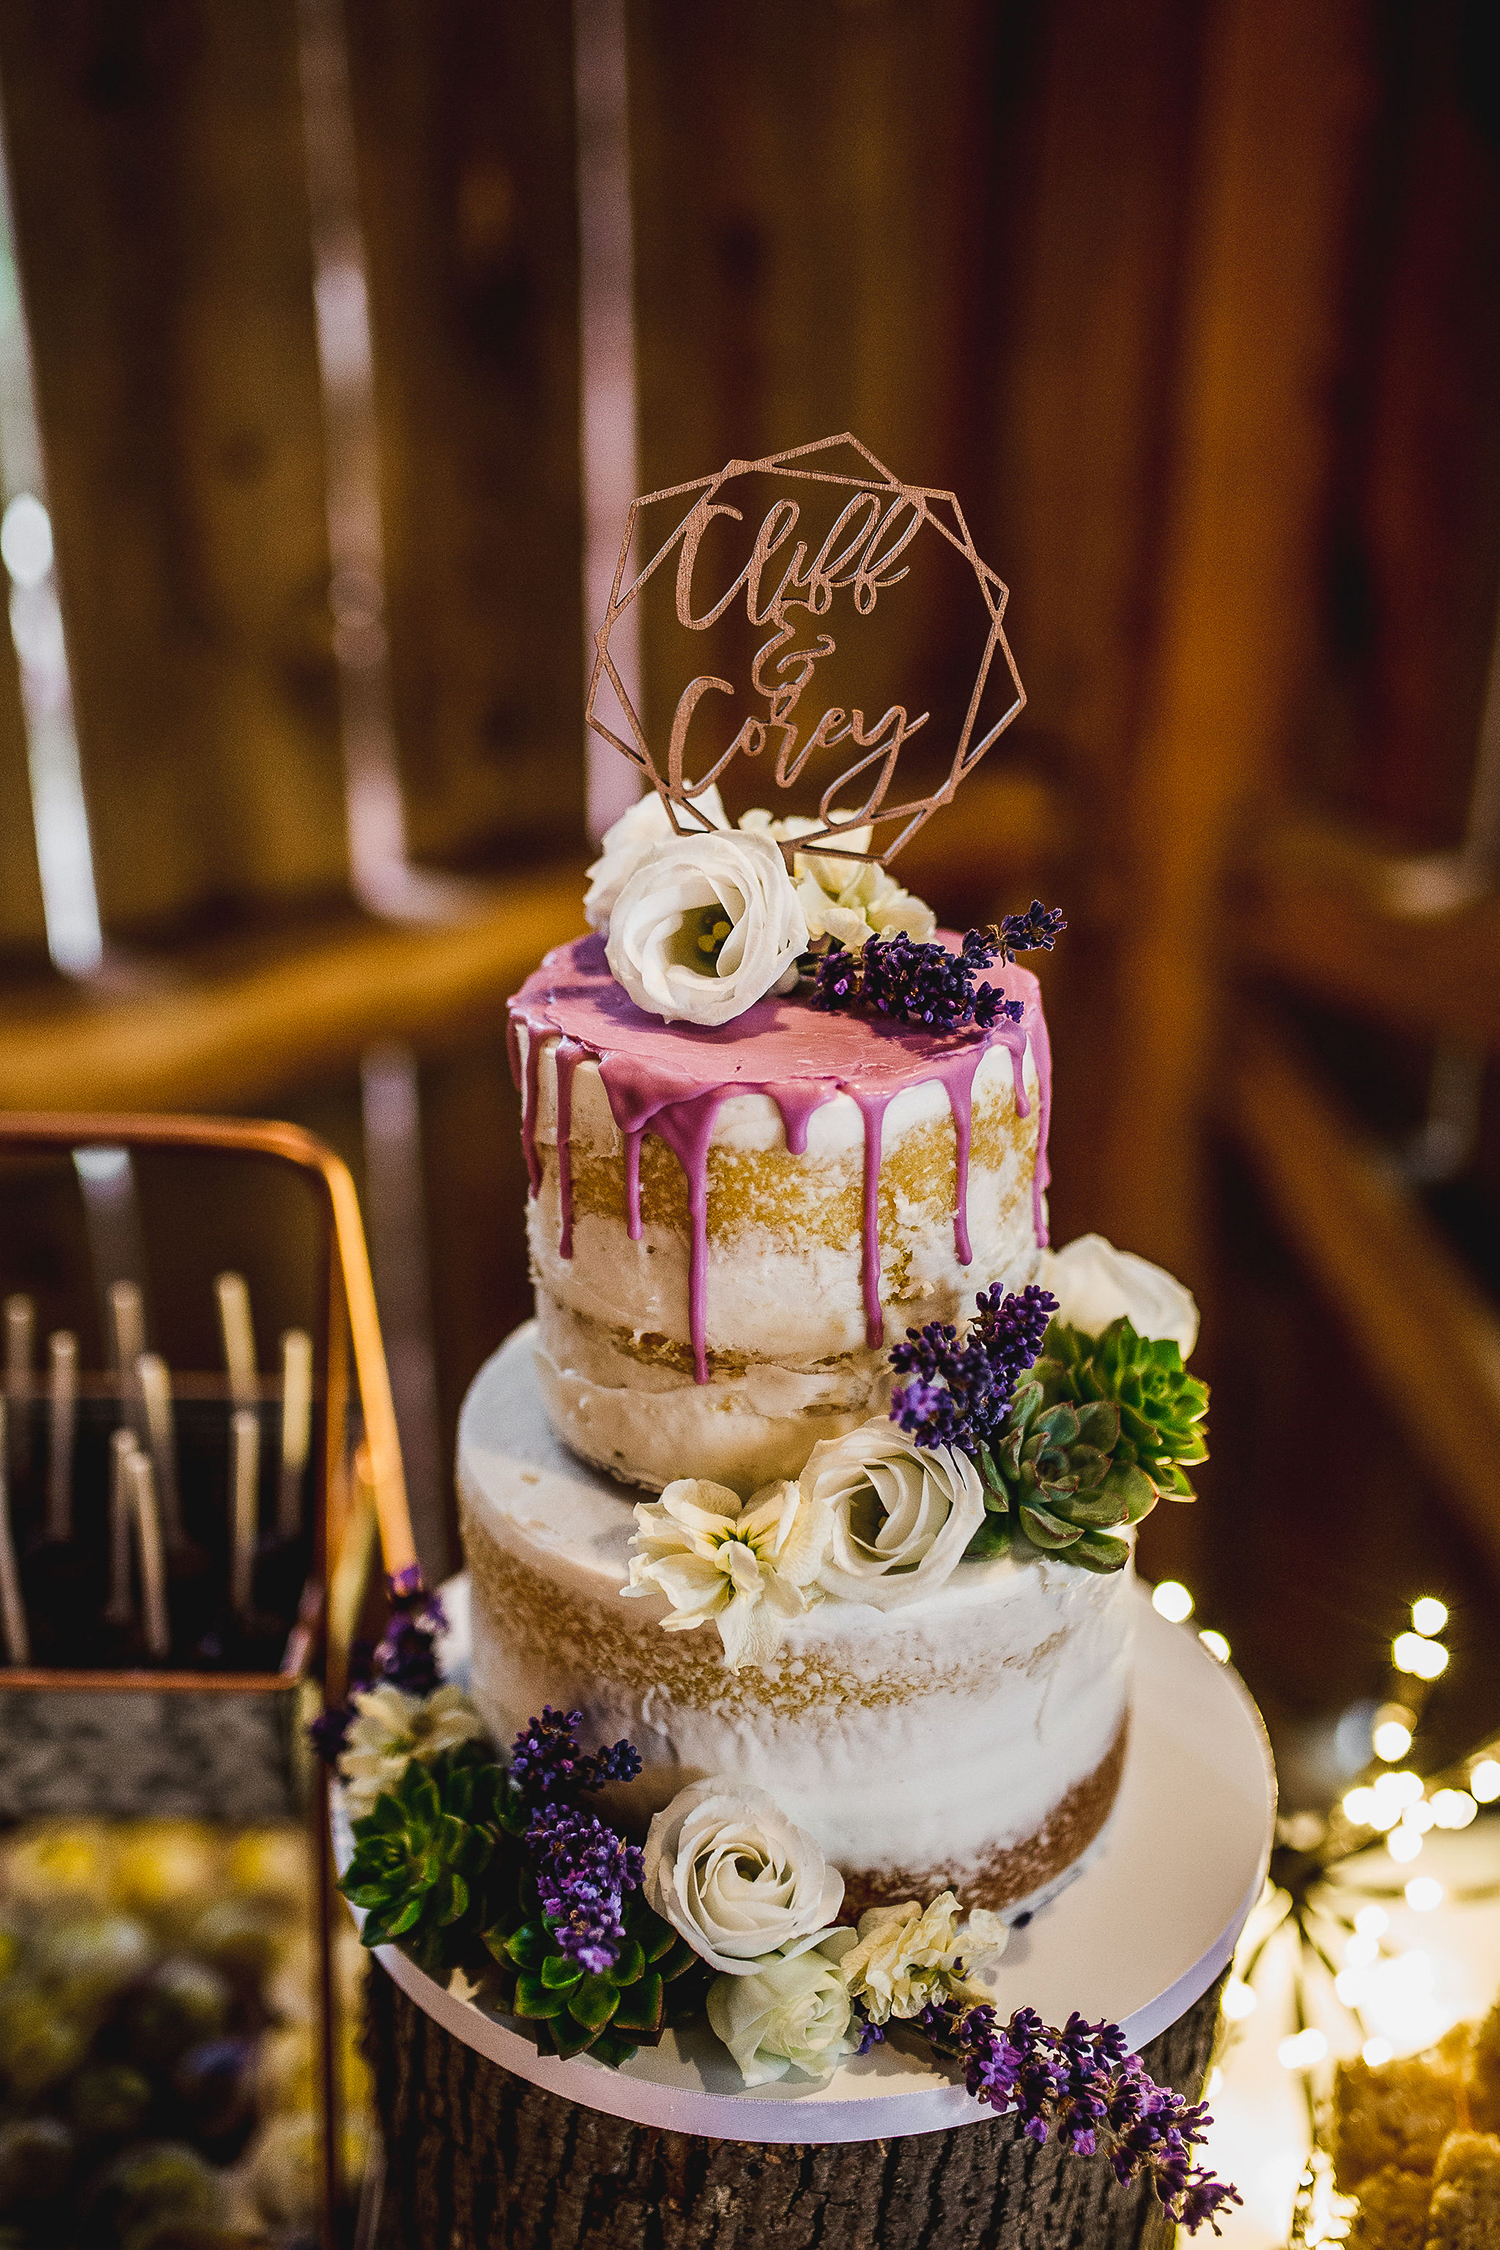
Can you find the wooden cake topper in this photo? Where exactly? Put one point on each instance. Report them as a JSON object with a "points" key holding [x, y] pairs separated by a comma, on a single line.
{"points": [[860, 529]]}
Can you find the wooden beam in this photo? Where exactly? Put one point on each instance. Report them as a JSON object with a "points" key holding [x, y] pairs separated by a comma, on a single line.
{"points": [[1411, 941], [1279, 127], [234, 1041], [1344, 1210]]}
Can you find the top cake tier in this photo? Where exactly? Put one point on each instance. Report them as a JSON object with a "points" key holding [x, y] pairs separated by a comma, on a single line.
{"points": [[728, 1226]]}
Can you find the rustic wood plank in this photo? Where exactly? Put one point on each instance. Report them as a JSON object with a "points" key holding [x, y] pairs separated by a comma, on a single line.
{"points": [[23, 928], [158, 181], [1412, 544], [1328, 910], [465, 126], [805, 234], [1280, 117], [477, 2157], [1344, 1209], [1079, 284], [245, 1037]]}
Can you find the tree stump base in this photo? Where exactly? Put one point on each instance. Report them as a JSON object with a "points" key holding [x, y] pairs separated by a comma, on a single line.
{"points": [[477, 2159]]}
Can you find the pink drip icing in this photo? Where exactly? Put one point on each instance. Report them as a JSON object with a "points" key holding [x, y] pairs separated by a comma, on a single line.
{"points": [[535, 1036], [1041, 1177], [872, 1108], [569, 1055], [957, 1075], [633, 1186], [672, 1080], [641, 1105]]}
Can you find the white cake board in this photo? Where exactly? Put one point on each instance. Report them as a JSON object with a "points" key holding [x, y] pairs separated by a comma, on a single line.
{"points": [[1151, 1918]]}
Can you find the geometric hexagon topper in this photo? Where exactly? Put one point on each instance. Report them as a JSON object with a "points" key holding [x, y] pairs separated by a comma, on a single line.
{"points": [[802, 592]]}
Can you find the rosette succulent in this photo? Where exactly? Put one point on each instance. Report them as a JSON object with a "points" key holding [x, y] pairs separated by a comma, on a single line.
{"points": [[435, 1860], [1052, 1474], [1091, 1441], [566, 2008], [1161, 1406]]}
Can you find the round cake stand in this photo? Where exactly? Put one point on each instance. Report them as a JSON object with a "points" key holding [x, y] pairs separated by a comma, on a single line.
{"points": [[490, 2142]]}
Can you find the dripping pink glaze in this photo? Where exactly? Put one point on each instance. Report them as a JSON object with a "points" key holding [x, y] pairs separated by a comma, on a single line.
{"points": [[671, 1079], [569, 1056]]}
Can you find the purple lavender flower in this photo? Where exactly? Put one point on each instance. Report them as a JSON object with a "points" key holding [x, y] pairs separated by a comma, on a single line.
{"points": [[958, 1393], [1013, 1329], [583, 1871], [546, 1761], [329, 1732], [405, 1657], [929, 986], [1084, 2084], [1035, 931]]}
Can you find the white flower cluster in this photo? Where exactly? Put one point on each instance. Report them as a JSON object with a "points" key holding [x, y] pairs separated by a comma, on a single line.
{"points": [[754, 1897], [874, 1518], [701, 926], [390, 1729]]}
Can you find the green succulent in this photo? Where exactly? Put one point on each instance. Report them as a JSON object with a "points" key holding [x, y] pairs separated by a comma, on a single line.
{"points": [[1162, 1407], [567, 2009], [435, 1860], [1092, 1439], [1053, 1476]]}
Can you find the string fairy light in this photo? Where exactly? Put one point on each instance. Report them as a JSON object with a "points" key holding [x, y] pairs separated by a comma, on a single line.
{"points": [[1320, 1888]]}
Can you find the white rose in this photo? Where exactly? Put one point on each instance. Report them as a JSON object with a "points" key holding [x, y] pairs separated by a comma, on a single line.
{"points": [[793, 2013], [1094, 1283], [733, 1876], [745, 1564], [846, 899], [623, 847], [902, 1513], [706, 926]]}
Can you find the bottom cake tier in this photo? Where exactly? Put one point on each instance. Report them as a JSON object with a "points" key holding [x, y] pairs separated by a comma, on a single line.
{"points": [[973, 1739]]}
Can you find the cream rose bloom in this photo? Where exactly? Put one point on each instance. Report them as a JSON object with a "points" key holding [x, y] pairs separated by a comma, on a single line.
{"points": [[903, 1957], [1094, 1283], [747, 1565], [390, 1729], [706, 926], [624, 845], [791, 2014], [737, 1879], [843, 898], [902, 1514]]}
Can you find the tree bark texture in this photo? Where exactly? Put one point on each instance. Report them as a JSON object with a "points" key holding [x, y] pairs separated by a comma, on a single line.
{"points": [[479, 2160]]}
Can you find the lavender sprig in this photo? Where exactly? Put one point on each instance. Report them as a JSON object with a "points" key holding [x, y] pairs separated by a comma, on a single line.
{"points": [[1084, 2084], [1035, 931], [583, 1871], [957, 1393], [928, 986], [546, 1761], [405, 1657]]}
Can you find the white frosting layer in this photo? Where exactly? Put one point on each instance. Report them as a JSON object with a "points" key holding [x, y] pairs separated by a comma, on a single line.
{"points": [[929, 1737]]}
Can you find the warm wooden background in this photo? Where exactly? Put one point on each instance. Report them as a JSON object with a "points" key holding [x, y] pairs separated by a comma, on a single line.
{"points": [[1194, 301]]}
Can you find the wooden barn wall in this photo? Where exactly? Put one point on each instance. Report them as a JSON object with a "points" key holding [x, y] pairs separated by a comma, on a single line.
{"points": [[464, 115], [23, 932], [1192, 300], [161, 213]]}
